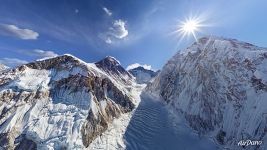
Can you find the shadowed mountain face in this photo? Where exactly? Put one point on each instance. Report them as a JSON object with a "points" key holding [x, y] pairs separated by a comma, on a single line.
{"points": [[142, 75], [113, 68], [58, 103], [220, 87]]}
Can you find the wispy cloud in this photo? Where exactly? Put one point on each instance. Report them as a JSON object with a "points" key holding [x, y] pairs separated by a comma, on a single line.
{"points": [[41, 53], [116, 32], [12, 62], [135, 65], [14, 31], [107, 11], [108, 40]]}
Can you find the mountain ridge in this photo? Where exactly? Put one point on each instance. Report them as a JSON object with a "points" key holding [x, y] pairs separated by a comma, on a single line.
{"points": [[218, 85]]}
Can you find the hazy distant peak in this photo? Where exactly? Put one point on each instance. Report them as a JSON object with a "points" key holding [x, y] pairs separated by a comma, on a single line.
{"points": [[3, 67]]}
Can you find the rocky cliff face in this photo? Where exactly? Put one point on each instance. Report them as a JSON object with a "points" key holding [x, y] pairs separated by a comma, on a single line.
{"points": [[220, 87], [58, 103], [142, 75]]}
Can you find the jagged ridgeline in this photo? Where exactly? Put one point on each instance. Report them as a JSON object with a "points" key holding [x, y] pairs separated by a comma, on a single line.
{"points": [[60, 102]]}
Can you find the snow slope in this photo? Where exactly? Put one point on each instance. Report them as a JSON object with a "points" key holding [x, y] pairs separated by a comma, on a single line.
{"points": [[219, 86], [150, 126], [58, 103], [113, 137], [113, 68], [154, 127]]}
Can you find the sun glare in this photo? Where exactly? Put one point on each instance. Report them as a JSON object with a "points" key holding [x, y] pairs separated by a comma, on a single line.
{"points": [[189, 27]]}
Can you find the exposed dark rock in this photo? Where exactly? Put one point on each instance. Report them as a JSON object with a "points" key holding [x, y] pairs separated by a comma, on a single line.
{"points": [[220, 137], [59, 62], [25, 143], [258, 84], [111, 66]]}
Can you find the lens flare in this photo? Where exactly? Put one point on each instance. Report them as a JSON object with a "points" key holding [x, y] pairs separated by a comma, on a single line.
{"points": [[189, 27]]}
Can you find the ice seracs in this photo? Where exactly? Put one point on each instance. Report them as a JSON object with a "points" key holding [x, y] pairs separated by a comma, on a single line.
{"points": [[58, 103], [219, 86]]}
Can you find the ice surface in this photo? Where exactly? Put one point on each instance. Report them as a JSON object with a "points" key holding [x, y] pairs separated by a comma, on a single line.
{"points": [[150, 126]]}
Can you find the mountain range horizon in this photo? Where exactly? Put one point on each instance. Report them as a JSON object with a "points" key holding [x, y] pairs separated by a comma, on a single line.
{"points": [[212, 93]]}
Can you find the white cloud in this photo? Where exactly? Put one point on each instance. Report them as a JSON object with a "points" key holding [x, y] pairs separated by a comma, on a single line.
{"points": [[14, 31], [40, 53], [135, 65], [119, 29], [107, 11], [116, 32], [12, 62]]}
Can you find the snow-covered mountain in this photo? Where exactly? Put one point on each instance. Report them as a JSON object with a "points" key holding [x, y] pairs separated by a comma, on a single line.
{"points": [[142, 75], [220, 87], [113, 68], [59, 103], [3, 67]]}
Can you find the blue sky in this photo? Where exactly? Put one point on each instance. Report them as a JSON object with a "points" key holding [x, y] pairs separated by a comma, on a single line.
{"points": [[133, 31]]}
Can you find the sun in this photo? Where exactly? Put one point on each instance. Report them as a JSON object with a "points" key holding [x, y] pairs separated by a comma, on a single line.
{"points": [[189, 27]]}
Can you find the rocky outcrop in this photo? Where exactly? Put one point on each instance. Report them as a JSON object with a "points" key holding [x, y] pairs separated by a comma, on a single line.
{"points": [[25, 143], [57, 103], [219, 86]]}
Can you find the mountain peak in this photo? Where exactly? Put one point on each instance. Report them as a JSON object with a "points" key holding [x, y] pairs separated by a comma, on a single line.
{"points": [[54, 62], [221, 44], [141, 68], [58, 86], [233, 42], [113, 67], [142, 74], [109, 62], [112, 60], [226, 75]]}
